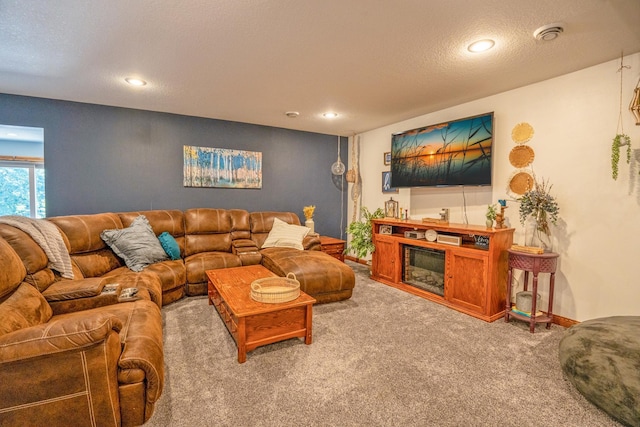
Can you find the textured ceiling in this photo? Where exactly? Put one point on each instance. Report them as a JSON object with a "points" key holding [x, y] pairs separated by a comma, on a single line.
{"points": [[374, 62]]}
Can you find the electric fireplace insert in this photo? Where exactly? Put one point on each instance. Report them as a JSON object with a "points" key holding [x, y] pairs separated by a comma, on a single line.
{"points": [[423, 268]]}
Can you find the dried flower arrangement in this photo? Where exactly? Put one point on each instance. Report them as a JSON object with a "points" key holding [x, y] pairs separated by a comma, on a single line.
{"points": [[308, 211], [540, 205]]}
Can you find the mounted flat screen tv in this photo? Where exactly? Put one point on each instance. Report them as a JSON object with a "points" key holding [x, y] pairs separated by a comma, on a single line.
{"points": [[451, 153]]}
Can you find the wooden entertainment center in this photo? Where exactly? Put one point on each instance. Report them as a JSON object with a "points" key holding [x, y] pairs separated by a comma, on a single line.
{"points": [[474, 272]]}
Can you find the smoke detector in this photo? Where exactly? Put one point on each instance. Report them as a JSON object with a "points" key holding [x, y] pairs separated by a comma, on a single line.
{"points": [[549, 32]]}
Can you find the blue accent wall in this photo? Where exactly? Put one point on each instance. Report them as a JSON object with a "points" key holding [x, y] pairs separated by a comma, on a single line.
{"points": [[110, 159]]}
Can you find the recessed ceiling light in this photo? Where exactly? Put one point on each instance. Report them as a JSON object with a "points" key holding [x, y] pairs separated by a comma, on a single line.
{"points": [[135, 82], [330, 115], [292, 114], [481, 45]]}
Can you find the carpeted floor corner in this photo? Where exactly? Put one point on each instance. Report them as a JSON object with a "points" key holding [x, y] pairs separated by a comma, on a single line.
{"points": [[382, 358]]}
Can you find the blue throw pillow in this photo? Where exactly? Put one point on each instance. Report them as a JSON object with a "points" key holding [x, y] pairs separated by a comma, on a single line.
{"points": [[169, 245]]}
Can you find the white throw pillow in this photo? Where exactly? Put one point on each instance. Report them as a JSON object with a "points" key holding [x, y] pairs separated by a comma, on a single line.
{"points": [[285, 235]]}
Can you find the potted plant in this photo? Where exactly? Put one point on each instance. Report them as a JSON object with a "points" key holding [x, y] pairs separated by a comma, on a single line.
{"points": [[542, 208], [620, 140], [491, 215], [361, 232]]}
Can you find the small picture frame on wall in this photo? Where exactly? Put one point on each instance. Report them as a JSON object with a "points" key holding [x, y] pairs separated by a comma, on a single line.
{"points": [[386, 183], [386, 229], [387, 158]]}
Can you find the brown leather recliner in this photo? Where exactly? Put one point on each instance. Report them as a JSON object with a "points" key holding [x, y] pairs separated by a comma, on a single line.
{"points": [[172, 273], [208, 244], [102, 366], [92, 258]]}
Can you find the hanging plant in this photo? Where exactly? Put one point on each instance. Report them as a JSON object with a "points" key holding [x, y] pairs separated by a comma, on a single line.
{"points": [[620, 140]]}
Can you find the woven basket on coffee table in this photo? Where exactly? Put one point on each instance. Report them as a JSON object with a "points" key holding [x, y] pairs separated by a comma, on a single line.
{"points": [[274, 290]]}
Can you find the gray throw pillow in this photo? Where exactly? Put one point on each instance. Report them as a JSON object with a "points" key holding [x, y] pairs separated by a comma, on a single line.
{"points": [[137, 244]]}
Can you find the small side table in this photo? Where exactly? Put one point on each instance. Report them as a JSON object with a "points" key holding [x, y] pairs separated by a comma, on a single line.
{"points": [[333, 247], [535, 263]]}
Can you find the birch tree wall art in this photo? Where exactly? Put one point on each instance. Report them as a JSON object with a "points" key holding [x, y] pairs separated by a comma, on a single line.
{"points": [[222, 167]]}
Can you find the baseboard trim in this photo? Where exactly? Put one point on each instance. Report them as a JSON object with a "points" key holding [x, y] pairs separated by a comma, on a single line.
{"points": [[358, 260], [564, 321], [558, 320]]}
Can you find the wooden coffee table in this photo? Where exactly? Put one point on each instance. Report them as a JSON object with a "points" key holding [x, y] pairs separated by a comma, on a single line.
{"points": [[252, 323]]}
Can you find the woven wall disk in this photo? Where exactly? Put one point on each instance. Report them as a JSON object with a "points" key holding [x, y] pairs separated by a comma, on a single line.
{"points": [[521, 156], [521, 183], [521, 133]]}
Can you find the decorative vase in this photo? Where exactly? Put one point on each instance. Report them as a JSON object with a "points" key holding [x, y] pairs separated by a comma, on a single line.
{"points": [[534, 236], [309, 224], [489, 223]]}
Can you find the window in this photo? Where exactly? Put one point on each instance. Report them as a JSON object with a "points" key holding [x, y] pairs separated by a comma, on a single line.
{"points": [[22, 171], [22, 189]]}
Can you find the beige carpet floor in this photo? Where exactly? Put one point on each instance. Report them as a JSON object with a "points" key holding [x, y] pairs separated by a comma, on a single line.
{"points": [[382, 358]]}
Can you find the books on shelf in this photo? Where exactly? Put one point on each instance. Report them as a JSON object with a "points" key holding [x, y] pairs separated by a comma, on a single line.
{"points": [[527, 249], [525, 313]]}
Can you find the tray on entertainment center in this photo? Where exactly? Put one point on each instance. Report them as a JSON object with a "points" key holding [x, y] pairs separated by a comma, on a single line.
{"points": [[435, 221]]}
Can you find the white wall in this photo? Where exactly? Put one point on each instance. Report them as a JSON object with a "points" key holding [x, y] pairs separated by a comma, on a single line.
{"points": [[575, 118]]}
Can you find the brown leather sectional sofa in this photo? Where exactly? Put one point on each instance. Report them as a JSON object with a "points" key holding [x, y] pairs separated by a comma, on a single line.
{"points": [[75, 352]]}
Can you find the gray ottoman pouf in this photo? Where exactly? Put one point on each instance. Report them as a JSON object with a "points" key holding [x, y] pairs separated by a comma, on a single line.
{"points": [[601, 358]]}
